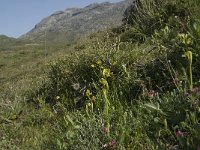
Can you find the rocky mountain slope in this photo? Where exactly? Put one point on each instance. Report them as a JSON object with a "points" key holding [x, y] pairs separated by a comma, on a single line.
{"points": [[72, 23]]}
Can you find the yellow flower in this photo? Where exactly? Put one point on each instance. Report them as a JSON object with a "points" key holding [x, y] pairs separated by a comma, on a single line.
{"points": [[93, 98], [57, 97], [114, 63], [98, 62], [88, 93], [104, 83], [92, 65], [101, 67], [185, 39], [106, 73]]}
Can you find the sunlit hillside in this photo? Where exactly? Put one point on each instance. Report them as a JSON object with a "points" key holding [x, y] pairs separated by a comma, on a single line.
{"points": [[135, 86]]}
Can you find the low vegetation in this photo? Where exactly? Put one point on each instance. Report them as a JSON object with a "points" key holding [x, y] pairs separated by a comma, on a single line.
{"points": [[132, 87]]}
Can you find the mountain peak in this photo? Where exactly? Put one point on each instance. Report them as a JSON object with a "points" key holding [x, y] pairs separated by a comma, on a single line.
{"points": [[72, 23], [93, 5]]}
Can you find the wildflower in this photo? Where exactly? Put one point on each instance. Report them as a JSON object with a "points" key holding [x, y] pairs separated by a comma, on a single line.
{"points": [[104, 83], [76, 86], [151, 94], [88, 93], [186, 94], [93, 98], [185, 39], [92, 65], [106, 73], [105, 145], [98, 62], [89, 104], [101, 67], [114, 63], [57, 97], [124, 65], [112, 144], [179, 133]]}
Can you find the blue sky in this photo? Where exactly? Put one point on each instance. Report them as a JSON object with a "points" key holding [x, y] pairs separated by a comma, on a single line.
{"points": [[19, 16]]}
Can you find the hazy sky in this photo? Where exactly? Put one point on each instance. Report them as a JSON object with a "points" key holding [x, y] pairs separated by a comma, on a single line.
{"points": [[19, 16]]}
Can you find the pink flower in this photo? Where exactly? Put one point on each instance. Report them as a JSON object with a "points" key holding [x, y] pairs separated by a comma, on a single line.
{"points": [[151, 93], [112, 144], [179, 133]]}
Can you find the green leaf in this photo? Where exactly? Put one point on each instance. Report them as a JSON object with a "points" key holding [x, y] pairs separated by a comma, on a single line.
{"points": [[153, 107]]}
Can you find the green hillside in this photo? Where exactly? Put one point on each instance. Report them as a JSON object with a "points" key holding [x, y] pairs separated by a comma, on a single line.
{"points": [[9, 43], [5, 39], [136, 86]]}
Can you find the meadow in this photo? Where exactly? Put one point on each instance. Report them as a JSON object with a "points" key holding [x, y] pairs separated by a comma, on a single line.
{"points": [[132, 87]]}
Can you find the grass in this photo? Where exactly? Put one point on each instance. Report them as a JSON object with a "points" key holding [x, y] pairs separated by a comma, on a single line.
{"points": [[111, 90]]}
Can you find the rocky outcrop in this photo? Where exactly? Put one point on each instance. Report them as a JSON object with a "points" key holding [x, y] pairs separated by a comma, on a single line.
{"points": [[72, 23]]}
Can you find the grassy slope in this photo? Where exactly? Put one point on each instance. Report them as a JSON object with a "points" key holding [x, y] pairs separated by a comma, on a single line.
{"points": [[147, 104]]}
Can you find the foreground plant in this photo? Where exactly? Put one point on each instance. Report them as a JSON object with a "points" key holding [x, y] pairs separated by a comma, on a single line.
{"points": [[105, 88], [189, 58]]}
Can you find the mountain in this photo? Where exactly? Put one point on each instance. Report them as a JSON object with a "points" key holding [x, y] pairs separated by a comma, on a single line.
{"points": [[6, 42], [73, 23], [9, 43], [5, 39]]}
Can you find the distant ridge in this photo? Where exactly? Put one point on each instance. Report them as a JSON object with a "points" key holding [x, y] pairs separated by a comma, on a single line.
{"points": [[4, 40]]}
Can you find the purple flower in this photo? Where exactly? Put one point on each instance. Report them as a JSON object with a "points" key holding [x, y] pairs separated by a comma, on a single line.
{"points": [[112, 144], [179, 133]]}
